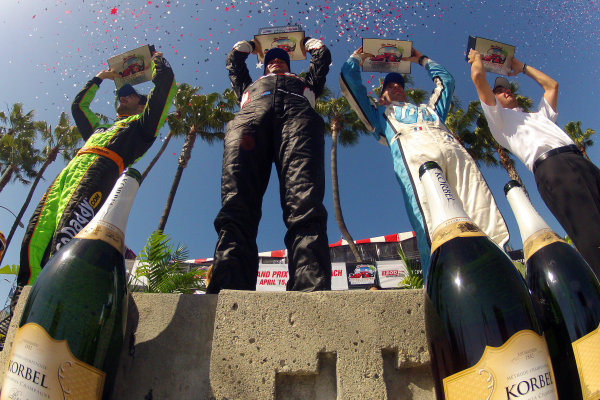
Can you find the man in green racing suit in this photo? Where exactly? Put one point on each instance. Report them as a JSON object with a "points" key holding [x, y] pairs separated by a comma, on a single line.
{"points": [[82, 186]]}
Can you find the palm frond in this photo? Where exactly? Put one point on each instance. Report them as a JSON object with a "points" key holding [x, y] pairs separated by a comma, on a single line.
{"points": [[160, 265]]}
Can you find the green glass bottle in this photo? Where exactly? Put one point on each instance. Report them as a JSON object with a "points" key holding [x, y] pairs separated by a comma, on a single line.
{"points": [[567, 294], [70, 335], [484, 339]]}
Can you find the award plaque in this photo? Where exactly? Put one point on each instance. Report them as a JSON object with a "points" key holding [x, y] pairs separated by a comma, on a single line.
{"points": [[387, 55], [133, 66], [289, 38]]}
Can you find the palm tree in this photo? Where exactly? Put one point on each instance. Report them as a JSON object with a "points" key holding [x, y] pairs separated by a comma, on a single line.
{"points": [[202, 115], [160, 269], [460, 123], [416, 96], [18, 156], [180, 100], [345, 125], [64, 141], [412, 280], [582, 139]]}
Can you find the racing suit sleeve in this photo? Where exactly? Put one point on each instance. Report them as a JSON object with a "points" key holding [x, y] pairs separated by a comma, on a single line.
{"points": [[159, 99], [85, 119], [441, 97], [320, 59], [236, 65], [356, 93]]}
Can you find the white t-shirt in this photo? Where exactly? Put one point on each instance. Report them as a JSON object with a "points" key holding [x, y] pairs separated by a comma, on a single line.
{"points": [[526, 135]]}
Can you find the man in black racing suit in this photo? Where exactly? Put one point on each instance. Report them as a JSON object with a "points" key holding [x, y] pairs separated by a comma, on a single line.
{"points": [[276, 123]]}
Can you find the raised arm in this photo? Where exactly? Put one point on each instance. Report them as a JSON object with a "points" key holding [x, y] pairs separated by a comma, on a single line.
{"points": [[549, 85], [319, 64], [484, 91], [236, 65], [85, 119], [356, 93], [441, 97], [160, 97]]}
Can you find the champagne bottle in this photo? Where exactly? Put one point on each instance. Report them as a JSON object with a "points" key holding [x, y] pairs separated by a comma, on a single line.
{"points": [[484, 339], [73, 324], [567, 294]]}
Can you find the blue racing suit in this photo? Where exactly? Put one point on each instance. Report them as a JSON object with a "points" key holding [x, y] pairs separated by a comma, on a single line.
{"points": [[415, 134]]}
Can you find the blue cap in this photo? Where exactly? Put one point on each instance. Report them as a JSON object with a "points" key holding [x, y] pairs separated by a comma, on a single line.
{"points": [[393, 77], [274, 53], [126, 90]]}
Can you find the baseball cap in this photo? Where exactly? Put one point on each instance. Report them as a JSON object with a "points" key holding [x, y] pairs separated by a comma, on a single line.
{"points": [[274, 53], [127, 89], [393, 77], [501, 82]]}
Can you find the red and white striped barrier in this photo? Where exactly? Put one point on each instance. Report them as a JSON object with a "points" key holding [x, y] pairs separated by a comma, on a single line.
{"points": [[393, 238]]}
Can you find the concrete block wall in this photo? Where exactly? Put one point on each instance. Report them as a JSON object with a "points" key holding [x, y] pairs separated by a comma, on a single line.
{"points": [[249, 345]]}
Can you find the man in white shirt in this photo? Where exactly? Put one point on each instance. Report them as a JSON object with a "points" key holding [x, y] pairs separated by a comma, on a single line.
{"points": [[568, 183]]}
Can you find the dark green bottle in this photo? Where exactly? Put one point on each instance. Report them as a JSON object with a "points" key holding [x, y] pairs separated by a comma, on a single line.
{"points": [[484, 339], [72, 328], [567, 294]]}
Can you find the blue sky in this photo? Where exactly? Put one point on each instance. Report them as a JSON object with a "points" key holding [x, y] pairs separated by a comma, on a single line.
{"points": [[52, 48]]}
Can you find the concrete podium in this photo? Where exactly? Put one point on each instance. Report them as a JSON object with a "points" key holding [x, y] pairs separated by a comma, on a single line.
{"points": [[280, 345]]}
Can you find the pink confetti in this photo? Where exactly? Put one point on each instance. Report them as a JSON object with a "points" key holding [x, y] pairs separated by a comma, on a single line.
{"points": [[113, 11]]}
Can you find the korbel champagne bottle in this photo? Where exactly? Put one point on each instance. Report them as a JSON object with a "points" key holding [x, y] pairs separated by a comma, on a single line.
{"points": [[73, 324], [567, 293], [484, 339]]}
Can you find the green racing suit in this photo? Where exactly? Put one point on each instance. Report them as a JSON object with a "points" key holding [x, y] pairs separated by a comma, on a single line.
{"points": [[82, 186]]}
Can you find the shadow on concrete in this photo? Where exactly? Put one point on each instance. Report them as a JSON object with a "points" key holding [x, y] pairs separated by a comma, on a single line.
{"points": [[320, 386], [166, 353], [404, 383]]}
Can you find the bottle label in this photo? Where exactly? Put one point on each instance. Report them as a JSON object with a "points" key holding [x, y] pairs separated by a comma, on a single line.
{"points": [[107, 232], [587, 356], [452, 228], [40, 367], [519, 369], [540, 239]]}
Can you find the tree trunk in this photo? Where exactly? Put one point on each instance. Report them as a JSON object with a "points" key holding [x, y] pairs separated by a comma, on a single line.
{"points": [[509, 166], [184, 157], [582, 149], [6, 175], [158, 155], [336, 194], [49, 160]]}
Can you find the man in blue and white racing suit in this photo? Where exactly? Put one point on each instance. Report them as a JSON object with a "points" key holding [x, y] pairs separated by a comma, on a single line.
{"points": [[415, 134]]}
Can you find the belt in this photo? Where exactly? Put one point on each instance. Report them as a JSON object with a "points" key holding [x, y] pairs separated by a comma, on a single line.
{"points": [[246, 98], [103, 151], [564, 149]]}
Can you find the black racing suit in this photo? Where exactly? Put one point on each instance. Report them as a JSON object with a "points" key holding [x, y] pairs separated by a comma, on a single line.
{"points": [[276, 123], [82, 186]]}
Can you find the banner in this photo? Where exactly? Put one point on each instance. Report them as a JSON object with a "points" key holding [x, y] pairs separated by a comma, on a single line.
{"points": [[390, 273], [338, 276], [360, 275], [272, 277]]}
